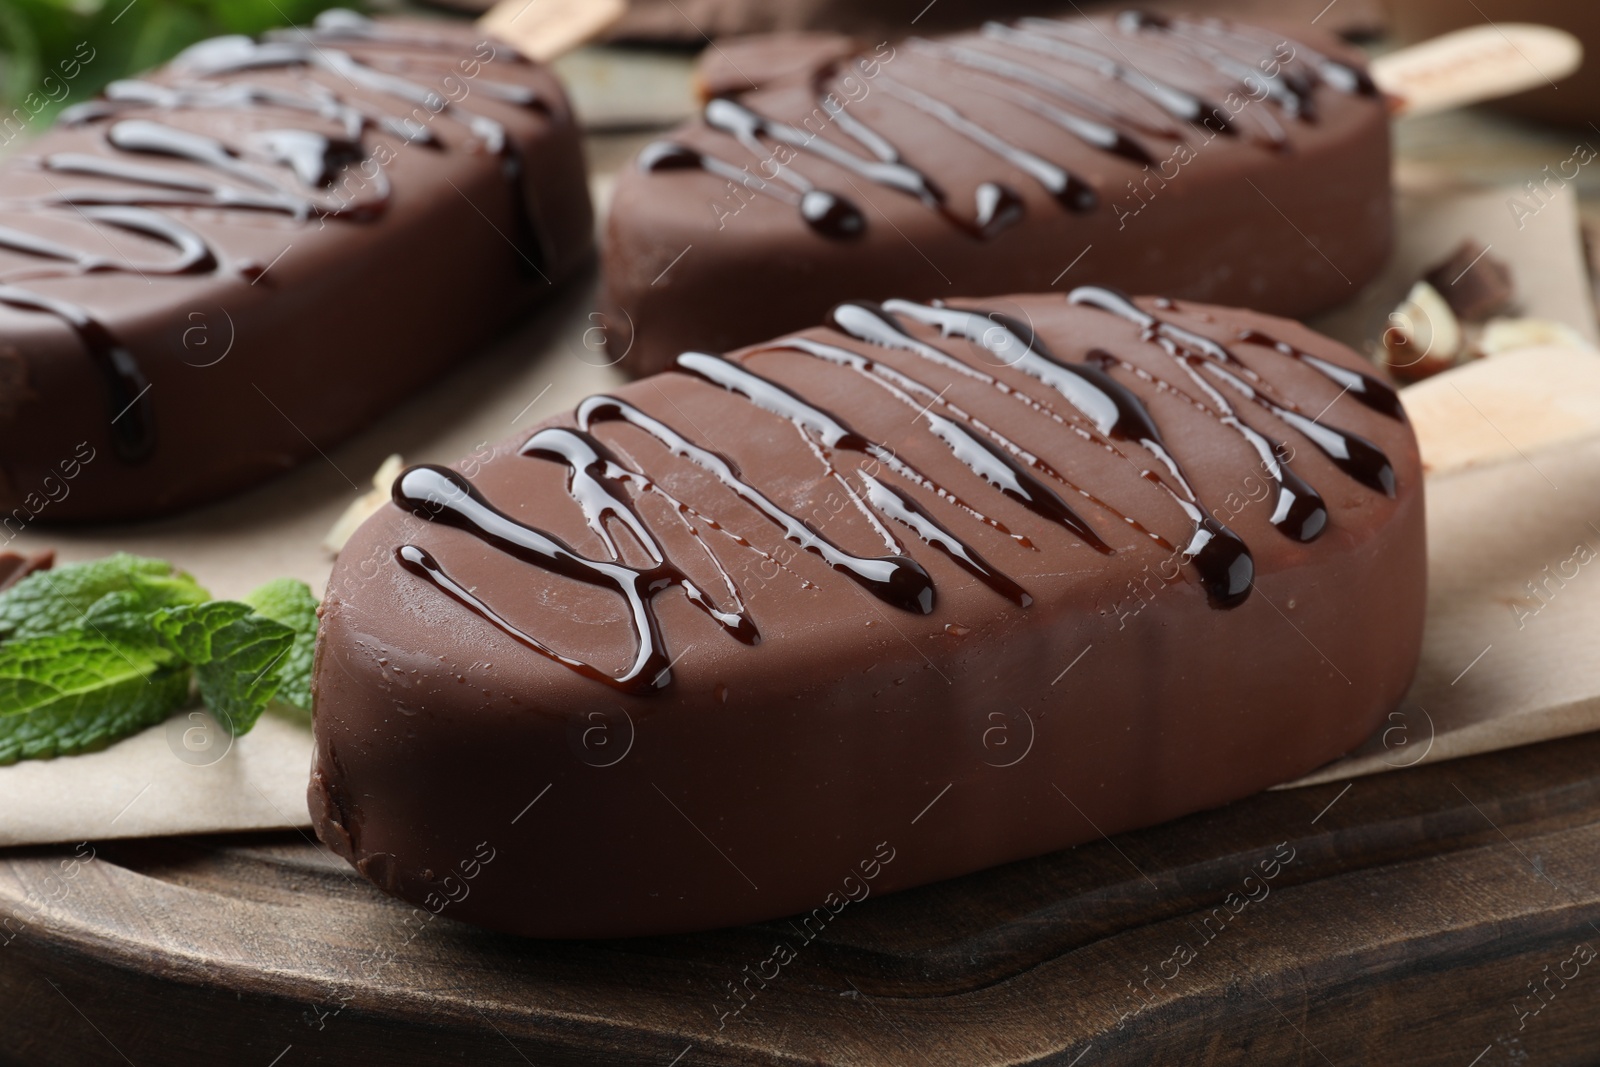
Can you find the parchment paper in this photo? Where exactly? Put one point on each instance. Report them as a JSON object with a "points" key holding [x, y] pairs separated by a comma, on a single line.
{"points": [[1490, 532]]}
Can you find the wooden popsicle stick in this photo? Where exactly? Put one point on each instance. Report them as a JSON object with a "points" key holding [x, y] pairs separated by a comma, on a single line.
{"points": [[1472, 65], [1505, 407], [545, 29]]}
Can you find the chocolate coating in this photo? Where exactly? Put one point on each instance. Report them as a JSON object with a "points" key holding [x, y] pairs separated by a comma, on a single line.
{"points": [[210, 273], [1210, 160], [689, 655]]}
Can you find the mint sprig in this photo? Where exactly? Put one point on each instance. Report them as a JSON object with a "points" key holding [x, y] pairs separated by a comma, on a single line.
{"points": [[235, 653], [292, 603], [93, 652], [55, 601], [73, 692]]}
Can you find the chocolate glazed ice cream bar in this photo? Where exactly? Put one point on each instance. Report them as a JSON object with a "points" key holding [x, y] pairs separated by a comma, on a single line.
{"points": [[1207, 159], [928, 589], [211, 272]]}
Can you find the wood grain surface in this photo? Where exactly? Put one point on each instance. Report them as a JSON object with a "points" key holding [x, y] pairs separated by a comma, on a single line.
{"points": [[1442, 915]]}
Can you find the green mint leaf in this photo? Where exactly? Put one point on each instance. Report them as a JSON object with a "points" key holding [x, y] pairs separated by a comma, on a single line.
{"points": [[93, 652], [292, 603], [72, 692], [235, 653], [191, 631], [121, 618], [57, 601]]}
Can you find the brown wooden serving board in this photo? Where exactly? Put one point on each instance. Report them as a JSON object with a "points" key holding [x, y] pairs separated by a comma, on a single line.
{"points": [[1416, 915]]}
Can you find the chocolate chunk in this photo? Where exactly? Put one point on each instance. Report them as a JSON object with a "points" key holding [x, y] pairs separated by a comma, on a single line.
{"points": [[1213, 160], [956, 583], [1474, 283], [221, 269]]}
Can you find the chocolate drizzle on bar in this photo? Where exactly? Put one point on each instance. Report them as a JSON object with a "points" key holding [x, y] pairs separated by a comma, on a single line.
{"points": [[1225, 44], [1218, 555], [126, 385], [984, 460], [1363, 387], [447, 497], [1002, 63], [250, 174], [1100, 409], [1300, 511]]}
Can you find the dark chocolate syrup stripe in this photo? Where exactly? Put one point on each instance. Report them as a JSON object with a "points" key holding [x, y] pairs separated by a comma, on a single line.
{"points": [[1298, 509], [1246, 42], [691, 519], [900, 387], [923, 398], [316, 159], [445, 496], [1293, 94], [897, 580], [1034, 35], [1068, 190], [915, 517], [142, 136], [1351, 453], [1001, 69], [340, 24], [160, 187], [996, 75], [134, 94], [596, 478], [336, 25], [1175, 56], [1364, 387], [988, 463], [233, 55], [194, 255], [1219, 556], [828, 213], [872, 324], [997, 206], [127, 388]]}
